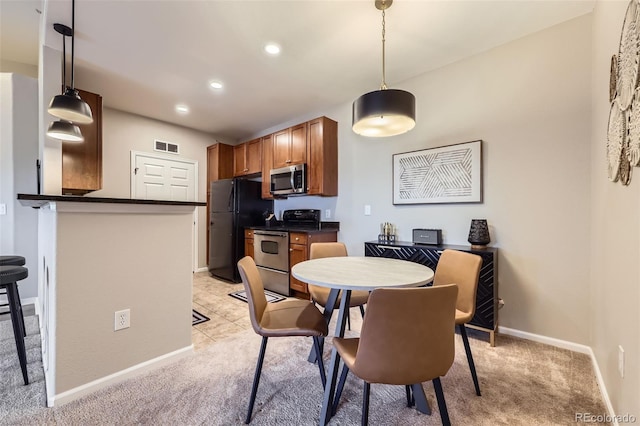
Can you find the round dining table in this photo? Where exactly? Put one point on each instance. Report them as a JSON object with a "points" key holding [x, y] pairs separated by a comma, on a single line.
{"points": [[349, 273]]}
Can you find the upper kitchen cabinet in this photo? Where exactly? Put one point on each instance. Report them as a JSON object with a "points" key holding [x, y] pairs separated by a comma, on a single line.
{"points": [[322, 157], [219, 162], [267, 161], [290, 146], [247, 158], [82, 162]]}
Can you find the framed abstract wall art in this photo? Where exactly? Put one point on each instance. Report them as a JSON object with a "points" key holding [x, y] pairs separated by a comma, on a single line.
{"points": [[446, 174]]}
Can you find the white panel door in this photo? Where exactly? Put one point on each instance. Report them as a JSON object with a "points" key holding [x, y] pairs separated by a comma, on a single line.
{"points": [[158, 178]]}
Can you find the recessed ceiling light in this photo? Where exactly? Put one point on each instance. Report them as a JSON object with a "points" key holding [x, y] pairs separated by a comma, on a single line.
{"points": [[272, 48], [215, 84], [182, 109]]}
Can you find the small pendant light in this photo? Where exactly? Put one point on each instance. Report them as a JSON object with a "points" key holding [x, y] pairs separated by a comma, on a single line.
{"points": [[69, 106], [63, 129], [384, 112]]}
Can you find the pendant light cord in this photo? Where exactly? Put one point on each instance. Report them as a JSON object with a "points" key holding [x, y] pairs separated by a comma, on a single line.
{"points": [[73, 36], [64, 63], [383, 86]]}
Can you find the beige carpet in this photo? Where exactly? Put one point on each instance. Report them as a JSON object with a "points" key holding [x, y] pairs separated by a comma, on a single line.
{"points": [[522, 383]]}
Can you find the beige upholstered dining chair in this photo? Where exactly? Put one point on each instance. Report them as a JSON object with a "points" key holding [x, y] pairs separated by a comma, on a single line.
{"points": [[463, 269], [285, 318], [320, 294], [417, 346]]}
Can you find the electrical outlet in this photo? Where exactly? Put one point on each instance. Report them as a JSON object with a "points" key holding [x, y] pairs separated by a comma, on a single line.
{"points": [[3, 209], [367, 210], [122, 320], [327, 214], [621, 361]]}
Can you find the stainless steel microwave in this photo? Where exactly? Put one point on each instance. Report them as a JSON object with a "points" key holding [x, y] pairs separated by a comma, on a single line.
{"points": [[289, 180]]}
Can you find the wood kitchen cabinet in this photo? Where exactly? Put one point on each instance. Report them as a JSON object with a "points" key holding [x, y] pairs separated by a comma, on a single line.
{"points": [[219, 162], [267, 161], [299, 243], [289, 146], [322, 157], [247, 158], [219, 166], [82, 162], [248, 242]]}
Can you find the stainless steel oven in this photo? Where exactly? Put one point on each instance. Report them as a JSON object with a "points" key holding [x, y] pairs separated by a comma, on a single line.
{"points": [[271, 254]]}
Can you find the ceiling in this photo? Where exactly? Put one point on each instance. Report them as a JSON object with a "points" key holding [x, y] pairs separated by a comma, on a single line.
{"points": [[146, 56]]}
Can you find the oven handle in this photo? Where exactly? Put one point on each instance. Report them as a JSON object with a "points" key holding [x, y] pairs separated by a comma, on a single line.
{"points": [[285, 235]]}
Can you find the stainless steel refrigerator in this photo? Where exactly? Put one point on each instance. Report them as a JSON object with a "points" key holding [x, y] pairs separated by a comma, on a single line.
{"points": [[234, 205]]}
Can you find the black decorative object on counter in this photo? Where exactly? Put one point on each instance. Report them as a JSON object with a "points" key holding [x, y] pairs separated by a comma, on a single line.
{"points": [[479, 234]]}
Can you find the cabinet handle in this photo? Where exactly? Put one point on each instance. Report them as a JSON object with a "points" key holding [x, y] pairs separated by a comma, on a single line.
{"points": [[290, 249], [288, 161], [389, 248], [245, 170], [297, 239]]}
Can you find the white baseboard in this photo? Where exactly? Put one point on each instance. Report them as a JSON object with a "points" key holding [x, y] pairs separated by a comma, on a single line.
{"points": [[575, 347], [563, 344], [203, 269], [75, 393]]}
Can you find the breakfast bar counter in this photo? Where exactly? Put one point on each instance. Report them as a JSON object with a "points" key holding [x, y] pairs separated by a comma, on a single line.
{"points": [[98, 257]]}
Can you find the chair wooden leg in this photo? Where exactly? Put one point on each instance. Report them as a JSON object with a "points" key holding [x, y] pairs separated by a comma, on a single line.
{"points": [[467, 349], [442, 405], [256, 379], [323, 375], [365, 404], [362, 311], [343, 379]]}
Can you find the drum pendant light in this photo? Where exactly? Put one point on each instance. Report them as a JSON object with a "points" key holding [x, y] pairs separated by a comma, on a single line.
{"points": [[69, 106], [63, 129], [384, 112]]}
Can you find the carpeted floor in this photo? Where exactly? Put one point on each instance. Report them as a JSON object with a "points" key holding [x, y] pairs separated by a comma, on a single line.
{"points": [[522, 383]]}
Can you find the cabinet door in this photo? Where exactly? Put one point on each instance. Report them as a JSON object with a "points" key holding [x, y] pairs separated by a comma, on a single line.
{"points": [[219, 162], [239, 160], [248, 243], [281, 144], [322, 157], [82, 162], [267, 161], [297, 254], [298, 149], [253, 156]]}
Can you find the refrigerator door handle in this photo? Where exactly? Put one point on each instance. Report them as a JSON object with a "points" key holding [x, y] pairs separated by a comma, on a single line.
{"points": [[230, 201]]}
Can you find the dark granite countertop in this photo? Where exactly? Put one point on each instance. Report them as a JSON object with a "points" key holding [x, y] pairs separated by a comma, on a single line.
{"points": [[37, 201], [324, 227]]}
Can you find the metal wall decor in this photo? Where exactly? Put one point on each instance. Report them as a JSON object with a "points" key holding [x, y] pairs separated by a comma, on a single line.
{"points": [[447, 174], [623, 133]]}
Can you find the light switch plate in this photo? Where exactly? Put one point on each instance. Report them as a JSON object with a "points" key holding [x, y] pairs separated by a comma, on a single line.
{"points": [[367, 210], [3, 209]]}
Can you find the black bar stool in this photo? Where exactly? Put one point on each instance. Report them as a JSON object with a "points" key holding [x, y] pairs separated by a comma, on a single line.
{"points": [[14, 261], [9, 277]]}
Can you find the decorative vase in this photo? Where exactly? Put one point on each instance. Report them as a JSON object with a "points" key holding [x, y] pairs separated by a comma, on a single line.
{"points": [[479, 234]]}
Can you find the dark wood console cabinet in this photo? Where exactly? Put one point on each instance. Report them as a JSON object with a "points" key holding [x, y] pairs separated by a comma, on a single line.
{"points": [[487, 301]]}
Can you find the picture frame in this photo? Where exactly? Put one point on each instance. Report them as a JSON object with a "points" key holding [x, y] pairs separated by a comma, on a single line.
{"points": [[445, 174]]}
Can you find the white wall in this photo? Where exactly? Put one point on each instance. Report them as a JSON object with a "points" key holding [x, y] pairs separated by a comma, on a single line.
{"points": [[614, 314], [18, 68], [18, 154], [123, 132], [529, 101]]}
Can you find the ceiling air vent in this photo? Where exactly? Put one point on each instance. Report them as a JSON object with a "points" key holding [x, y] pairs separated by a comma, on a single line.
{"points": [[166, 147]]}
